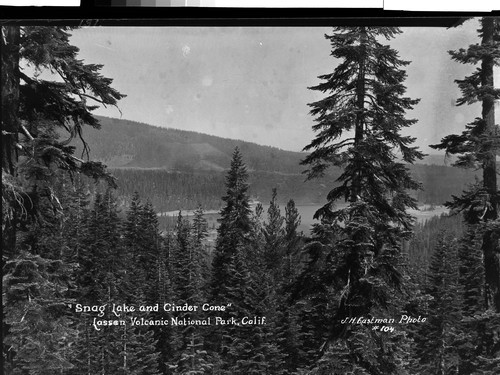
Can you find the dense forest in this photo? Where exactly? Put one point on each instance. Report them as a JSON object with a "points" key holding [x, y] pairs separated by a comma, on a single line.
{"points": [[124, 143], [121, 143], [178, 169], [169, 191], [93, 284]]}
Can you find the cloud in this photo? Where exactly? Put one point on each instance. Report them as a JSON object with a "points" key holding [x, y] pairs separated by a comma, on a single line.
{"points": [[185, 50]]}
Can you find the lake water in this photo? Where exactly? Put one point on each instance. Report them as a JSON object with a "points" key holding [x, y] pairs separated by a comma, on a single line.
{"points": [[307, 213]]}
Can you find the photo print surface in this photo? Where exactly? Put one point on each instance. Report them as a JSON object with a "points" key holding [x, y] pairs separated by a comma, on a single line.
{"points": [[251, 199]]}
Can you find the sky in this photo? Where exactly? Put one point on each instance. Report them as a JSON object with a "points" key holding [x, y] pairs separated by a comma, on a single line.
{"points": [[251, 83]]}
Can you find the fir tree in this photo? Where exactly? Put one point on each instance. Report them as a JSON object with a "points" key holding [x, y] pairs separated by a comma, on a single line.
{"points": [[287, 320], [227, 284], [362, 353], [292, 223], [200, 227], [274, 234], [471, 271], [106, 276], [150, 258], [199, 235], [99, 282], [365, 95], [246, 349], [144, 247], [478, 146], [234, 223], [36, 113], [39, 338], [269, 272], [134, 237], [240, 269], [437, 339], [36, 110], [168, 338], [183, 258], [293, 261], [256, 241], [188, 282], [477, 344], [38, 282]]}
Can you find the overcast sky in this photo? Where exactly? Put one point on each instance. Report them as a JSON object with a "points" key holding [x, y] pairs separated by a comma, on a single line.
{"points": [[251, 83]]}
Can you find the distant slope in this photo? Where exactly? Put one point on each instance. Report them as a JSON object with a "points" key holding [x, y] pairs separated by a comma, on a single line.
{"points": [[435, 159], [179, 169], [130, 144], [170, 191]]}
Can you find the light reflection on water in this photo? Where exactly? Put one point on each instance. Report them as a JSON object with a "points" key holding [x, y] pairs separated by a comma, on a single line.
{"points": [[307, 213]]}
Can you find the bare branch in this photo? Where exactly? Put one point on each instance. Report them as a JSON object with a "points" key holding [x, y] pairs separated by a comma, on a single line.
{"points": [[26, 132], [80, 94]]}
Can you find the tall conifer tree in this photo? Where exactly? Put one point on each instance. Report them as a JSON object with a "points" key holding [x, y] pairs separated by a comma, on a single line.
{"points": [[358, 129], [107, 276], [36, 110], [274, 234], [287, 328], [436, 342], [233, 277], [235, 223], [193, 357], [36, 113], [477, 147]]}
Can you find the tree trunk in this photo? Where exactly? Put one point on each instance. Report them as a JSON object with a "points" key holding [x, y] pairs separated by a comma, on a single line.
{"points": [[10, 40], [488, 115], [491, 249], [360, 104], [10, 97]]}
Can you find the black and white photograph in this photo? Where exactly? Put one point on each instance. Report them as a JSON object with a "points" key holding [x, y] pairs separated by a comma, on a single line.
{"points": [[238, 200]]}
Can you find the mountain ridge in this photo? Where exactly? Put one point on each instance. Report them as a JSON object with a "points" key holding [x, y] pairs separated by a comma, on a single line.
{"points": [[121, 143], [179, 169]]}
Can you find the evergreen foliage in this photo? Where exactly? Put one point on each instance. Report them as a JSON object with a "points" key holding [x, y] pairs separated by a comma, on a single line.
{"points": [[34, 226], [460, 334], [39, 337], [437, 352], [188, 282], [147, 281], [35, 109], [365, 96], [69, 243], [426, 235], [477, 146], [478, 347], [234, 224], [170, 190]]}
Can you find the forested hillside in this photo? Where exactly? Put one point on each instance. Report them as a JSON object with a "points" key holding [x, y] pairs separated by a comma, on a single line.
{"points": [[178, 169], [124, 143], [170, 191], [93, 285], [121, 143]]}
